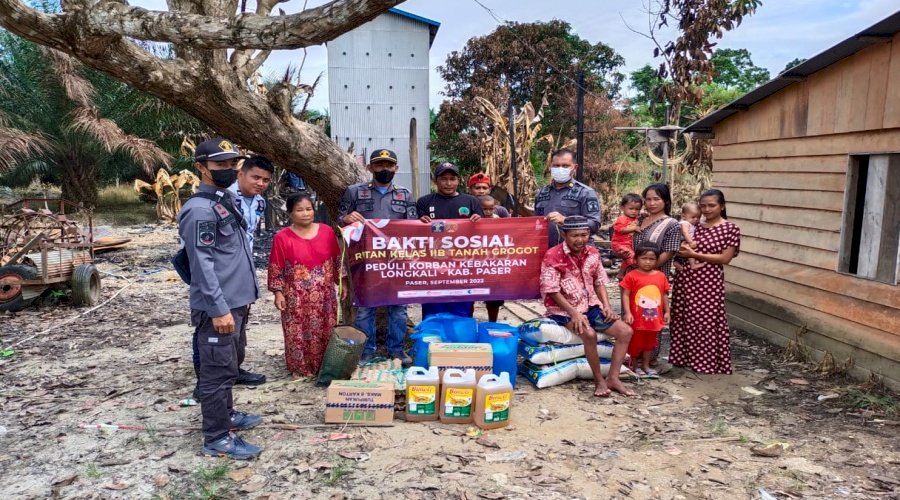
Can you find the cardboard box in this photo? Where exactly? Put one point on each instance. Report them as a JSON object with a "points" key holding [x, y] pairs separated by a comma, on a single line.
{"points": [[356, 402], [462, 356]]}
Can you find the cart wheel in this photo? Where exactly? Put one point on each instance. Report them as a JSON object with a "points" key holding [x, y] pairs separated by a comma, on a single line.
{"points": [[11, 278], [85, 285]]}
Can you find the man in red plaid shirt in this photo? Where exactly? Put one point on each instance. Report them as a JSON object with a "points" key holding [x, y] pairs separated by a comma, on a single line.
{"points": [[573, 286]]}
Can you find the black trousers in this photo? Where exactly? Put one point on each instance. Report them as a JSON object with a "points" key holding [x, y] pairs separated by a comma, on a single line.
{"points": [[218, 371], [241, 345]]}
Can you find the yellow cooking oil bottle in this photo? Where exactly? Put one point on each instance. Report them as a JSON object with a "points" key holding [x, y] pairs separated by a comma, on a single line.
{"points": [[422, 394], [457, 396], [493, 397]]}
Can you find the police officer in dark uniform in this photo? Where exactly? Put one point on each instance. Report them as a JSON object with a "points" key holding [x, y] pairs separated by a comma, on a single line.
{"points": [[222, 286], [380, 199], [565, 196]]}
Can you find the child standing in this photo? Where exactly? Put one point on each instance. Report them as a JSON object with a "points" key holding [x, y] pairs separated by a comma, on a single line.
{"points": [[690, 218], [492, 210], [624, 228], [488, 206], [448, 203], [644, 290]]}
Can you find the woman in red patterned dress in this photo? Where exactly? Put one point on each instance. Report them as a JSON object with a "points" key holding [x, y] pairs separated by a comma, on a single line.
{"points": [[700, 334], [304, 267]]}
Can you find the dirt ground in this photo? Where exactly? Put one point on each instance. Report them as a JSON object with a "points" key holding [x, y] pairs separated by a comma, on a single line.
{"points": [[686, 436]]}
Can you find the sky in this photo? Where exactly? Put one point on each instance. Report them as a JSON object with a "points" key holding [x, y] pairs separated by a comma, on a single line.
{"points": [[780, 31]]}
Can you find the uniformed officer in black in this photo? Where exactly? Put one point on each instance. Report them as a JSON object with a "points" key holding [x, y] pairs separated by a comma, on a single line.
{"points": [[380, 198], [223, 285], [565, 196]]}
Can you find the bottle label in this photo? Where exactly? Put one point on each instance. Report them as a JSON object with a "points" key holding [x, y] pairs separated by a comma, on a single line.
{"points": [[458, 402], [496, 407], [420, 399]]}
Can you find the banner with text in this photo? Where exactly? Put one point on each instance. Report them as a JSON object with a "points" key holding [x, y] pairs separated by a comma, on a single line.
{"points": [[411, 262]]}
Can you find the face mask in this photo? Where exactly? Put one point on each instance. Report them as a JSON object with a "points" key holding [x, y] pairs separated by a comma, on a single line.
{"points": [[561, 174], [223, 178], [384, 176]]}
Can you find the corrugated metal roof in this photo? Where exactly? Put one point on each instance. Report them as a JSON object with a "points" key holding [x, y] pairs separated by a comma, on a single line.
{"points": [[877, 33], [432, 24]]}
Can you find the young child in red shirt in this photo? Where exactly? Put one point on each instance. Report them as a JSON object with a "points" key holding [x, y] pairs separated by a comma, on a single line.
{"points": [[624, 228], [644, 290]]}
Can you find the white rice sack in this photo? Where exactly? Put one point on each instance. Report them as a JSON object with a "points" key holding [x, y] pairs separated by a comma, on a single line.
{"points": [[545, 330], [545, 354], [584, 369], [550, 375]]}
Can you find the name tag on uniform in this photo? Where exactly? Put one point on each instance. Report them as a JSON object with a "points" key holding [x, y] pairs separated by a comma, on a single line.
{"points": [[214, 340]]}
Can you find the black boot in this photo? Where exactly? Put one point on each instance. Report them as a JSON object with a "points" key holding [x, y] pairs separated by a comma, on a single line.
{"points": [[249, 378]]}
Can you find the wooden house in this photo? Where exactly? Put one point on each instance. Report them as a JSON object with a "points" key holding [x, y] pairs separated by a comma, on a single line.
{"points": [[810, 167]]}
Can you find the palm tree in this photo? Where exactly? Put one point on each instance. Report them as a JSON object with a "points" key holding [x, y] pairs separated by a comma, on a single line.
{"points": [[58, 121]]}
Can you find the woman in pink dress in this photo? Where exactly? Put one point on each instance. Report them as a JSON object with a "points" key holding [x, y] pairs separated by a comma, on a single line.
{"points": [[304, 268], [700, 335]]}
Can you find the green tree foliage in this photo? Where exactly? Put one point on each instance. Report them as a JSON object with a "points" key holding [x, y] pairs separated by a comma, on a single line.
{"points": [[794, 62], [734, 69], [734, 75], [645, 85], [76, 127], [521, 62], [687, 60]]}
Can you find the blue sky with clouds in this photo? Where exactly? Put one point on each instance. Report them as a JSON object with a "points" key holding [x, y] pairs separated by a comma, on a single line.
{"points": [[780, 31]]}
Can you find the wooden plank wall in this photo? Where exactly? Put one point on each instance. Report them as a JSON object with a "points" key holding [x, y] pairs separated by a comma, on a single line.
{"points": [[854, 94], [782, 165]]}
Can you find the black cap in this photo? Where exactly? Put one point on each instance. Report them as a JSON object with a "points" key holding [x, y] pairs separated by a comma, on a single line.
{"points": [[575, 222], [217, 149], [445, 167], [383, 155]]}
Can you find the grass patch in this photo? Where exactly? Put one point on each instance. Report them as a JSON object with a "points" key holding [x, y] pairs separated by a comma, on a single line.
{"points": [[338, 473], [117, 196], [121, 206], [205, 483], [213, 473], [92, 471], [719, 426], [874, 401]]}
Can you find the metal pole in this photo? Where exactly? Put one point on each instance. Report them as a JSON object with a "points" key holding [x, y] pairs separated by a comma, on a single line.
{"points": [[414, 157], [511, 117], [665, 165], [579, 135]]}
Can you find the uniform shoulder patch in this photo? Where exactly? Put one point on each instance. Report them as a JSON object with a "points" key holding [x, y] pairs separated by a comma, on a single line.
{"points": [[221, 210], [593, 206], [206, 233]]}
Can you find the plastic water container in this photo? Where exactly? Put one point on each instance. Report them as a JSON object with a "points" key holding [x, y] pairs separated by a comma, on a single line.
{"points": [[504, 340], [422, 394], [454, 329], [420, 348], [493, 401], [457, 396]]}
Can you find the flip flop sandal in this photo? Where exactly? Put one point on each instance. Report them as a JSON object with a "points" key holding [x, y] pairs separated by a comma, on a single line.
{"points": [[651, 373]]}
